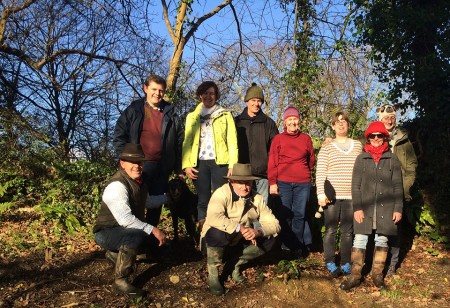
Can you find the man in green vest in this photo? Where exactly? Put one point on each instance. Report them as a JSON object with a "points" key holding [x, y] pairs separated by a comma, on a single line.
{"points": [[120, 227]]}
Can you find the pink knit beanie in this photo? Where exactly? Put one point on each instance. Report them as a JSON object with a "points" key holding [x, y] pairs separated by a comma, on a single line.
{"points": [[290, 112]]}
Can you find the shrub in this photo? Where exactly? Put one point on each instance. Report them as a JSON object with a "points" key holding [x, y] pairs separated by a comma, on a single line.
{"points": [[73, 193]]}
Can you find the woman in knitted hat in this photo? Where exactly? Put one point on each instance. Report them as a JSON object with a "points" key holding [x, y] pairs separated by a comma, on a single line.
{"points": [[291, 160], [377, 194]]}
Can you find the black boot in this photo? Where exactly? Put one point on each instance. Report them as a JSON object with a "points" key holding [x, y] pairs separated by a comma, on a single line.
{"points": [[214, 260], [379, 259], [354, 279], [249, 253], [126, 259]]}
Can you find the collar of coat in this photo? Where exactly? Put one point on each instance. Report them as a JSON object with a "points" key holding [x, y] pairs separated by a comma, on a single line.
{"points": [[260, 117], [399, 134], [138, 105], [385, 155], [218, 112], [236, 198]]}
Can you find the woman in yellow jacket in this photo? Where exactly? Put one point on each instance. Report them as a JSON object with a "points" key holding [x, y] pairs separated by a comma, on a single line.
{"points": [[210, 145]]}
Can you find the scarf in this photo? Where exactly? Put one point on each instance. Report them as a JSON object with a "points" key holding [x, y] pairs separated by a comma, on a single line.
{"points": [[376, 152]]}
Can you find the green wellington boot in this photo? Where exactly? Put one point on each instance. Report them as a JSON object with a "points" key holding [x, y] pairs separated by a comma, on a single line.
{"points": [[126, 259], [214, 260], [249, 253]]}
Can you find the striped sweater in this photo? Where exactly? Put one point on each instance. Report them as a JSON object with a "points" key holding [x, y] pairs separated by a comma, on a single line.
{"points": [[337, 166]]}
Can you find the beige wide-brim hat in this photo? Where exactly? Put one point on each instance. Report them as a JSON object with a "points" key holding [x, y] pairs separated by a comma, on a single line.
{"points": [[242, 172]]}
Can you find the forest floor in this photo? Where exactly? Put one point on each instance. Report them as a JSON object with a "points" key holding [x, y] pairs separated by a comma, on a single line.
{"points": [[78, 275]]}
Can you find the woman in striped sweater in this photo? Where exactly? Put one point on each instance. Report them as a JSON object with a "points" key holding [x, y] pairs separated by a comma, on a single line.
{"points": [[335, 164]]}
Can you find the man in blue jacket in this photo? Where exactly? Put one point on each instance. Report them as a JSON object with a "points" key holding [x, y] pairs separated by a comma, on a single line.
{"points": [[152, 123]]}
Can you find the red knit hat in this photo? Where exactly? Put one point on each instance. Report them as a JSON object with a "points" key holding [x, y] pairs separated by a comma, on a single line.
{"points": [[376, 127], [290, 112]]}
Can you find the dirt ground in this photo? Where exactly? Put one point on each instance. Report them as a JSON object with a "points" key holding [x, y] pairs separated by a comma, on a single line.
{"points": [[78, 275]]}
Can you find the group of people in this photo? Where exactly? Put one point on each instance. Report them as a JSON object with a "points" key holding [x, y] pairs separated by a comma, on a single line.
{"points": [[371, 184], [236, 165]]}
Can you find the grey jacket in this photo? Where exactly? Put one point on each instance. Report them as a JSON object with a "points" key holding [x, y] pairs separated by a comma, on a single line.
{"points": [[377, 186]]}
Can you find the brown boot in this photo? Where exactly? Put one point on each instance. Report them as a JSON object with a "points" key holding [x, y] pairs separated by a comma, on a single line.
{"points": [[122, 271], [354, 279], [379, 258]]}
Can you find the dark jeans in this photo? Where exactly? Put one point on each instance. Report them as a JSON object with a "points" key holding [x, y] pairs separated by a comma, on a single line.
{"points": [[295, 232], [338, 214], [156, 181], [217, 238], [404, 239], [210, 177], [113, 238]]}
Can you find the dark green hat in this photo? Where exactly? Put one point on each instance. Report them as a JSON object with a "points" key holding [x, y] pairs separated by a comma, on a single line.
{"points": [[254, 92]]}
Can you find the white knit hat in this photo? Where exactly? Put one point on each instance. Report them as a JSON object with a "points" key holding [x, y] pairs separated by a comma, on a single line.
{"points": [[385, 110]]}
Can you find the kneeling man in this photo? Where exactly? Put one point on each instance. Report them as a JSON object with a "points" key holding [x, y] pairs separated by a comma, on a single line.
{"points": [[237, 215], [121, 228]]}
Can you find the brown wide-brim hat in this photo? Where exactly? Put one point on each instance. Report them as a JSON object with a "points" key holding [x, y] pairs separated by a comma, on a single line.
{"points": [[242, 172], [132, 152]]}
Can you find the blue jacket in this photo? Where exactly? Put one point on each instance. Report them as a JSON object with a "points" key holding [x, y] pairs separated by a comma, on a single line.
{"points": [[129, 127]]}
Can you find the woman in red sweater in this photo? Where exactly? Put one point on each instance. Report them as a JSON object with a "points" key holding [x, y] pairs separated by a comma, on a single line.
{"points": [[291, 159]]}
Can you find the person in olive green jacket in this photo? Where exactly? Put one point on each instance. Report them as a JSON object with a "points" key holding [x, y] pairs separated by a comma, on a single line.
{"points": [[402, 147], [210, 145]]}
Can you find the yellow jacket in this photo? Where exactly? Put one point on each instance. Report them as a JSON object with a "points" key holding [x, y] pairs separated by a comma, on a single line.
{"points": [[225, 140]]}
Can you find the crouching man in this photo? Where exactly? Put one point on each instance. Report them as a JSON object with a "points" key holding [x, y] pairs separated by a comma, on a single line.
{"points": [[237, 215], [121, 228]]}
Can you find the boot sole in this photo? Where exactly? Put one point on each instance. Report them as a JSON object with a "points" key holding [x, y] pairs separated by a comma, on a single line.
{"points": [[217, 293], [131, 295]]}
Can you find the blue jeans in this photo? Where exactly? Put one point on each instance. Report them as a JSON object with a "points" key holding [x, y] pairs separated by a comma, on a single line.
{"points": [[338, 214], [156, 183], [210, 177], [262, 187], [361, 240], [113, 238], [295, 232]]}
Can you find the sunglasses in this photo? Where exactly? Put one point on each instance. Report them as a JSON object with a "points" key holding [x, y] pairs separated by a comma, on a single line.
{"points": [[379, 136], [387, 108]]}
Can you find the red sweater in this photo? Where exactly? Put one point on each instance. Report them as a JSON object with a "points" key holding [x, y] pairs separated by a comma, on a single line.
{"points": [[291, 158]]}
